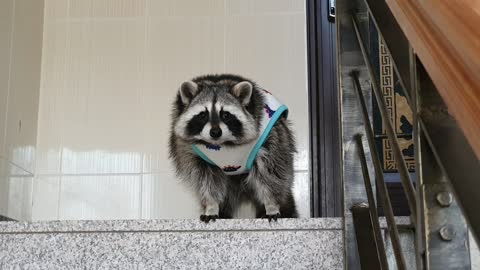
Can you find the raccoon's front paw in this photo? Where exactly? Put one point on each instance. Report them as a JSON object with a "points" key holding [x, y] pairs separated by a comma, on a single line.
{"points": [[207, 218], [272, 217]]}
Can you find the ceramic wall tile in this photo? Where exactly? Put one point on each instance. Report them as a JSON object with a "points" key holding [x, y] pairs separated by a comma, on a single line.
{"points": [[264, 7], [186, 8], [54, 49], [100, 197], [79, 9], [4, 187], [103, 116], [56, 9], [6, 28], [45, 197], [19, 206], [179, 48], [301, 193], [117, 8], [15, 191], [101, 9], [24, 83], [277, 61], [275, 6], [165, 196], [51, 108], [49, 140]]}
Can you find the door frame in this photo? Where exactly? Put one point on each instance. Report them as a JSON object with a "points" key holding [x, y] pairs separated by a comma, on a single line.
{"points": [[325, 151]]}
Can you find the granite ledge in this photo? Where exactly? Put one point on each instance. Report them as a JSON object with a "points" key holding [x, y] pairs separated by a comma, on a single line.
{"points": [[399, 220], [170, 225]]}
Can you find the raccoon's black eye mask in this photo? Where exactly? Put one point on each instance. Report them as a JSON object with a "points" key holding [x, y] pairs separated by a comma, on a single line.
{"points": [[202, 116], [196, 124], [226, 116]]}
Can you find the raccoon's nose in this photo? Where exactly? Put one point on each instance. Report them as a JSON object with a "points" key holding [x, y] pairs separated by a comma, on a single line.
{"points": [[215, 132]]}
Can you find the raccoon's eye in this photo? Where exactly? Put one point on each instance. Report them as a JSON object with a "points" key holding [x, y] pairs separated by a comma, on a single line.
{"points": [[202, 115], [226, 116]]}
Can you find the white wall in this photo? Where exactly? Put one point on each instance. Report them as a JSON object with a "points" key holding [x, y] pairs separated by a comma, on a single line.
{"points": [[110, 71], [21, 28]]}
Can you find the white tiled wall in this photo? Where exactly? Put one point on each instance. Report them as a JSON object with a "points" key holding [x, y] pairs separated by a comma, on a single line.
{"points": [[110, 71], [21, 29], [162, 196]]}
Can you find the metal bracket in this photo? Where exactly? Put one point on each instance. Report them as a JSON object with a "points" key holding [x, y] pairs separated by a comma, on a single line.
{"points": [[331, 10], [446, 230]]}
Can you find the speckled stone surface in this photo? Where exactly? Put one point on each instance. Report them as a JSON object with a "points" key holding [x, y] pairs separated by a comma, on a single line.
{"points": [[474, 253], [399, 220], [173, 244], [171, 225], [407, 241]]}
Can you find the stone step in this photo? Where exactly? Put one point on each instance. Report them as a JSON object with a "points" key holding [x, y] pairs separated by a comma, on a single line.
{"points": [[173, 244]]}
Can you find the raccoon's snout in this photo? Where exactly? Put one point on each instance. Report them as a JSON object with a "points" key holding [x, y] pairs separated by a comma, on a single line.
{"points": [[215, 132]]}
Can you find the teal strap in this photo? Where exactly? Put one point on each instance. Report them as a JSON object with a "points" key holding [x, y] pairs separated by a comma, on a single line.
{"points": [[278, 113], [201, 154]]}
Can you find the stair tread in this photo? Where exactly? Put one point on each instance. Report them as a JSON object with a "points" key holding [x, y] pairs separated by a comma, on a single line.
{"points": [[170, 225], [173, 244]]}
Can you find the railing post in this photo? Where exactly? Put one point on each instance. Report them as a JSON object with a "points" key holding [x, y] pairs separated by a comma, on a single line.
{"points": [[371, 257], [441, 227], [349, 58]]}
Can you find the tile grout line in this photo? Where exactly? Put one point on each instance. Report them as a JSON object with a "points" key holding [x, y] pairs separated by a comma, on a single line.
{"points": [[145, 40]]}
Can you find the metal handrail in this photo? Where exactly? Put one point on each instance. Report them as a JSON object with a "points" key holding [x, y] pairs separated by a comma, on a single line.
{"points": [[401, 166], [380, 181], [377, 233]]}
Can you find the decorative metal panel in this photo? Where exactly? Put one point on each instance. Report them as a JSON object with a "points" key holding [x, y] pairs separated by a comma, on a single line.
{"points": [[397, 106]]}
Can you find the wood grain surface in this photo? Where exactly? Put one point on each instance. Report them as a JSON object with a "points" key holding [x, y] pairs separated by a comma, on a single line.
{"points": [[445, 34]]}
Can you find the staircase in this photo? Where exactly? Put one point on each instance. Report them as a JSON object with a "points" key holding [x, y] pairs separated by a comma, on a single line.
{"points": [[182, 244]]}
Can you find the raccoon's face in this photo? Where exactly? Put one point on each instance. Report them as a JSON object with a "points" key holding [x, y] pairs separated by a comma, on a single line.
{"points": [[215, 113]]}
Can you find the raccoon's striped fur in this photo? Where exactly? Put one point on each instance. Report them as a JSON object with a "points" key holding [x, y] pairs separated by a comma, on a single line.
{"points": [[198, 117]]}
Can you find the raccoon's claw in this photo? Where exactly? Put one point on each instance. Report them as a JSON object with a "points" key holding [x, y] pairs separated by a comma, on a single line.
{"points": [[272, 217], [207, 218]]}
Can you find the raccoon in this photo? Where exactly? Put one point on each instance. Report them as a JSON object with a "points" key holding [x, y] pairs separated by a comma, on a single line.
{"points": [[218, 120]]}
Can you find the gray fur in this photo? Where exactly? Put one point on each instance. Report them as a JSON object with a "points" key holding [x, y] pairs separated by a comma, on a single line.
{"points": [[268, 185]]}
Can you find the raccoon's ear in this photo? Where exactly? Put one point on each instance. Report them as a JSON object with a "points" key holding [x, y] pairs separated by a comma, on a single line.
{"points": [[187, 91], [243, 91]]}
